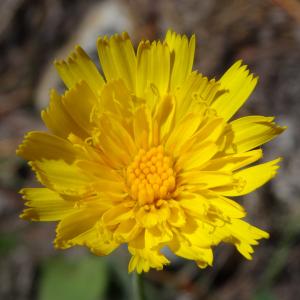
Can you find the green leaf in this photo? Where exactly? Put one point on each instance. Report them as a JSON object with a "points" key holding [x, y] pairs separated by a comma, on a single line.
{"points": [[264, 294], [73, 279], [8, 241]]}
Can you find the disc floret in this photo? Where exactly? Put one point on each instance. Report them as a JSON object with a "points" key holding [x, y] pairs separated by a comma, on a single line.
{"points": [[150, 176]]}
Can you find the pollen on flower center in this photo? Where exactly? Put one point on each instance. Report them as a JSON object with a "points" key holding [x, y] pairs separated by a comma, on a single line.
{"points": [[150, 176]]}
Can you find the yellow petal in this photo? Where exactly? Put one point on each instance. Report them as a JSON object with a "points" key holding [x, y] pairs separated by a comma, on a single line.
{"points": [[211, 130], [157, 236], [98, 246], [117, 214], [86, 149], [42, 145], [127, 230], [115, 156], [184, 130], [116, 190], [142, 127], [182, 57], [143, 260], [225, 207], [195, 232], [195, 94], [104, 180], [253, 131], [238, 85], [244, 235], [196, 204], [62, 177], [116, 99], [79, 102], [233, 162], [193, 252], [58, 119], [163, 117], [204, 179], [177, 216], [250, 179], [98, 239], [197, 157], [118, 133], [77, 228], [80, 67], [99, 171], [45, 205], [118, 59], [116, 153], [153, 67], [149, 216]]}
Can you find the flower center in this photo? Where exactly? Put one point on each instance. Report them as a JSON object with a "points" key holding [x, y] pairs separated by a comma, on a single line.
{"points": [[150, 176]]}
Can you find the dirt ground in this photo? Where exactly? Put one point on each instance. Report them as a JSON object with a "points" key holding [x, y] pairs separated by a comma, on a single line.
{"points": [[264, 33]]}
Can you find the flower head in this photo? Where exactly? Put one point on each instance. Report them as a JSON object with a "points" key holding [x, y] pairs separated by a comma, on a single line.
{"points": [[148, 156]]}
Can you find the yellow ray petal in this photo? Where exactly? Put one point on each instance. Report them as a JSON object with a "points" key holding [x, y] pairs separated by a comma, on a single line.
{"points": [[62, 177], [195, 232], [115, 190], [182, 57], [196, 204], [157, 236], [244, 235], [163, 117], [116, 99], [86, 149], [117, 147], [153, 67], [115, 156], [143, 260], [238, 85], [77, 228], [98, 239], [80, 67], [45, 205], [117, 214], [118, 59], [204, 179], [250, 179], [42, 145], [58, 119], [150, 216], [142, 127], [97, 170], [126, 231], [253, 131], [183, 131], [79, 102], [227, 208], [233, 162], [196, 158], [177, 215], [211, 130], [118, 133], [195, 94], [104, 180], [203, 256], [97, 245]]}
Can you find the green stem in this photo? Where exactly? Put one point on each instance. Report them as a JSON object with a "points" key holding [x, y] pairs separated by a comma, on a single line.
{"points": [[138, 287]]}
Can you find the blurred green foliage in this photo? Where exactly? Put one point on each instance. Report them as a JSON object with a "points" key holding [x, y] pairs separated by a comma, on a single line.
{"points": [[73, 278], [7, 243]]}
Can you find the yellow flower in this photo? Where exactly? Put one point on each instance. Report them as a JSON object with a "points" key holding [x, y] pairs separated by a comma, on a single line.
{"points": [[148, 156]]}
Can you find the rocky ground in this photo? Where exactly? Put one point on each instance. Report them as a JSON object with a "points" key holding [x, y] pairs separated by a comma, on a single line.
{"points": [[264, 33]]}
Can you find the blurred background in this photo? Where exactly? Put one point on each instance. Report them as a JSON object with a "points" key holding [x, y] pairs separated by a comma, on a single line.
{"points": [[264, 33]]}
